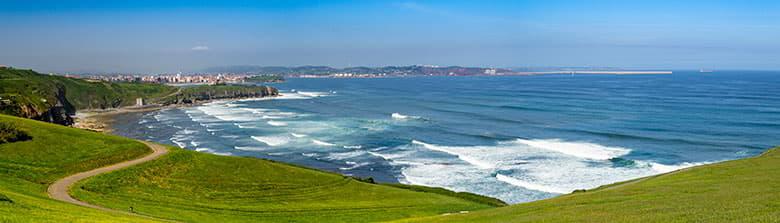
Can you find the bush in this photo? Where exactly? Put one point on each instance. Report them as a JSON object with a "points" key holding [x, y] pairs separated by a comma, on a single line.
{"points": [[9, 133], [365, 180], [3, 199]]}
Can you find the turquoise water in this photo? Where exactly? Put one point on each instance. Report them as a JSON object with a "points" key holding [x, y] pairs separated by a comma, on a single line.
{"points": [[519, 138]]}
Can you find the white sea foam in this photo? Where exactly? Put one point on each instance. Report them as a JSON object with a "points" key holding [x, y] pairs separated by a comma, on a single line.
{"points": [[322, 143], [242, 126], [256, 110], [312, 94], [461, 154], [483, 169], [222, 112], [250, 148], [277, 123], [578, 149], [345, 155], [354, 165], [179, 143], [353, 147], [272, 140], [399, 116], [222, 153], [662, 168], [309, 154], [207, 150], [296, 135], [530, 185]]}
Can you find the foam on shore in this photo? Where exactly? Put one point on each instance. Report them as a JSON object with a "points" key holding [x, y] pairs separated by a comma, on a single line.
{"points": [[272, 140]]}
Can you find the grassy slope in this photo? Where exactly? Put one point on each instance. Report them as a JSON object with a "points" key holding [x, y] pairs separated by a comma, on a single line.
{"points": [[29, 87], [746, 190], [193, 186], [28, 167]]}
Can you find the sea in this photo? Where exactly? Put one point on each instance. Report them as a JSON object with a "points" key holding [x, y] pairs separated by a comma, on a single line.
{"points": [[516, 138]]}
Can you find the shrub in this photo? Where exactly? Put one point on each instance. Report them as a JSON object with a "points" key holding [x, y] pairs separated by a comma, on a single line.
{"points": [[365, 180], [9, 133], [4, 199]]}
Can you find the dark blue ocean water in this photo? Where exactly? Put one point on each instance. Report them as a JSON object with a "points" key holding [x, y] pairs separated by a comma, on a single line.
{"points": [[517, 138]]}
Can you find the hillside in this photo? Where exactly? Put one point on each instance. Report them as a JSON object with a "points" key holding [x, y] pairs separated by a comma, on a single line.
{"points": [[28, 167], [198, 187], [187, 185], [743, 190], [51, 98], [26, 93]]}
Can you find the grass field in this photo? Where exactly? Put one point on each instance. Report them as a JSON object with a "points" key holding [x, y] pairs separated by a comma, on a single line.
{"points": [[746, 190], [192, 186], [28, 167]]}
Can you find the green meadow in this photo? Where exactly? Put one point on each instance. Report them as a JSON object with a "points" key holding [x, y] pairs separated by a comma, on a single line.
{"points": [[54, 151], [746, 190], [190, 186]]}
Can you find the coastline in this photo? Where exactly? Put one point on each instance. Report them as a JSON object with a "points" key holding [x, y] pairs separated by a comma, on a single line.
{"points": [[101, 120]]}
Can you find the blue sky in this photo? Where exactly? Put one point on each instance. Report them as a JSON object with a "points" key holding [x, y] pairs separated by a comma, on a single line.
{"points": [[170, 36]]}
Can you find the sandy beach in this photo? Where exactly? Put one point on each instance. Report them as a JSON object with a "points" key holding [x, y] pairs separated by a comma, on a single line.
{"points": [[100, 120]]}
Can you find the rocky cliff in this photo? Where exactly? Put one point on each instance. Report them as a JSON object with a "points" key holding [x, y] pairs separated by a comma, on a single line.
{"points": [[213, 92]]}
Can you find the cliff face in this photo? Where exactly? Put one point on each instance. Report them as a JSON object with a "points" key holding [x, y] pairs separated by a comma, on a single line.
{"points": [[213, 92], [56, 109], [62, 111], [51, 98]]}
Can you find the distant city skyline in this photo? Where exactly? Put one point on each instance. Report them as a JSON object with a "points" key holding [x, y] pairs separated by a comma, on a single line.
{"points": [[187, 36]]}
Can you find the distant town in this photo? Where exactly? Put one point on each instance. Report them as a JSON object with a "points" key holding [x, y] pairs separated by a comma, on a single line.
{"points": [[242, 74]]}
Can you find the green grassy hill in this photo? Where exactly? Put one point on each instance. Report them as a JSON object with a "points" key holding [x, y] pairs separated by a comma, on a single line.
{"points": [[189, 186], [192, 186], [26, 93], [746, 190], [28, 167]]}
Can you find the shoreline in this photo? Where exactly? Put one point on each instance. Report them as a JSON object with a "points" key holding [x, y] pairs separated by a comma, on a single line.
{"points": [[101, 120]]}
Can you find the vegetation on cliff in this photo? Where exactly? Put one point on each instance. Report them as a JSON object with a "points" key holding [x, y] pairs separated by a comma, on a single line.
{"points": [[265, 78], [51, 98], [221, 91], [26, 93]]}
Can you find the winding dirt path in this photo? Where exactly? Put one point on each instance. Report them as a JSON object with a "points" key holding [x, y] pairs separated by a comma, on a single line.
{"points": [[59, 189]]}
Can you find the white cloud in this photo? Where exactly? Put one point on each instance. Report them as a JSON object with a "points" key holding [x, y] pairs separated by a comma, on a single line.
{"points": [[200, 48]]}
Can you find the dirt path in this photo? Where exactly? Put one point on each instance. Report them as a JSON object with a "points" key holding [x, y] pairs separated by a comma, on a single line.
{"points": [[59, 189]]}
